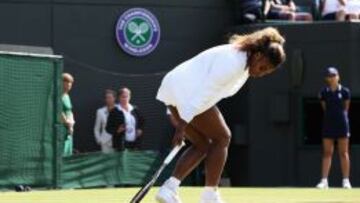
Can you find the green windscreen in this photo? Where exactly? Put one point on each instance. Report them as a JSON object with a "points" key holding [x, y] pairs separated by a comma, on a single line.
{"points": [[29, 91]]}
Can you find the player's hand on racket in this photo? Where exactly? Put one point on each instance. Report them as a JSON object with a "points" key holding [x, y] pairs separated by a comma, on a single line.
{"points": [[179, 136]]}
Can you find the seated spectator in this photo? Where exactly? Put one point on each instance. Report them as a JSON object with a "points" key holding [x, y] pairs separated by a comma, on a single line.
{"points": [[102, 137], [285, 10], [333, 10], [125, 122], [249, 11], [352, 9]]}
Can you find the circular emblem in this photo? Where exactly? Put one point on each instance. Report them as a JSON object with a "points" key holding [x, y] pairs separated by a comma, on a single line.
{"points": [[138, 32]]}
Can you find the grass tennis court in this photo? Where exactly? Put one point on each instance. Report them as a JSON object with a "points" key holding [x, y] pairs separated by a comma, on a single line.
{"points": [[189, 195]]}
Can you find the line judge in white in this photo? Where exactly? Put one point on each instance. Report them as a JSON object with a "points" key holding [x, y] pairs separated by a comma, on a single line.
{"points": [[191, 92], [103, 138]]}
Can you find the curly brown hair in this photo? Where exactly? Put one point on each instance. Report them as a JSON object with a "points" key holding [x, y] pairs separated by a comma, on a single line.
{"points": [[268, 42]]}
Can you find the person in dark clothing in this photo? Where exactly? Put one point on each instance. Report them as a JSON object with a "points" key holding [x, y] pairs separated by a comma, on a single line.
{"points": [[335, 102], [116, 127], [125, 123]]}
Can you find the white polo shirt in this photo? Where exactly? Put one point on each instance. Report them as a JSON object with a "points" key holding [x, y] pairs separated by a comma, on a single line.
{"points": [[130, 123], [197, 84]]}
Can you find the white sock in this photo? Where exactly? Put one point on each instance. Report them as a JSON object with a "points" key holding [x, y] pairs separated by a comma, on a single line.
{"points": [[324, 180], [173, 183], [346, 180], [210, 189]]}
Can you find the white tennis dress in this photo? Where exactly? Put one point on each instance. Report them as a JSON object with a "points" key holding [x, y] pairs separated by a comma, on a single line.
{"points": [[197, 84]]}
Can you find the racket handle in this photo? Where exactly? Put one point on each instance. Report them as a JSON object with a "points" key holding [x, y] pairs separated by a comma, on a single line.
{"points": [[173, 153]]}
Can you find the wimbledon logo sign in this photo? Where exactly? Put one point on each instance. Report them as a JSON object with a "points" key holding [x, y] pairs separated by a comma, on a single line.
{"points": [[138, 32]]}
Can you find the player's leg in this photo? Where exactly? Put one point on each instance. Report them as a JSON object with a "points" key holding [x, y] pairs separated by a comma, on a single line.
{"points": [[191, 158], [343, 149], [194, 154], [212, 124], [328, 150], [186, 163]]}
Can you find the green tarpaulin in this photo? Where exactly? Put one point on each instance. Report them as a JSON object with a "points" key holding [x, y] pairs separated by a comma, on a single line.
{"points": [[97, 169]]}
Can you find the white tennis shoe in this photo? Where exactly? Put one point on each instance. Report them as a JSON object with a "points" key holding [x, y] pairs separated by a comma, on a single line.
{"points": [[323, 185], [211, 197], [167, 194], [346, 184]]}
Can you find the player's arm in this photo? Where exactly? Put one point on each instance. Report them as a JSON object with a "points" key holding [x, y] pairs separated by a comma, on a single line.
{"points": [[179, 132], [179, 125], [173, 121]]}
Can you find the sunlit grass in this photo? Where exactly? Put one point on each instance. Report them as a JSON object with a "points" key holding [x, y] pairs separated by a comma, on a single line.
{"points": [[188, 195]]}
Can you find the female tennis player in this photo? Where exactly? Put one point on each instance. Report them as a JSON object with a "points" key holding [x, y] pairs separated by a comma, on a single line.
{"points": [[191, 92]]}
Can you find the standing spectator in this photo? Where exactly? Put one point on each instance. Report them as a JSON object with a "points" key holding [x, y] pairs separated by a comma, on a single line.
{"points": [[285, 10], [103, 138], [134, 121], [335, 101], [67, 115], [125, 122], [334, 10]]}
